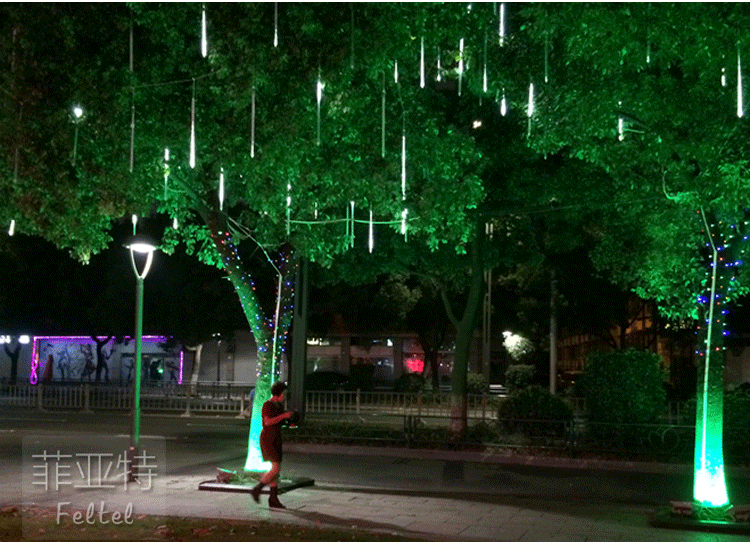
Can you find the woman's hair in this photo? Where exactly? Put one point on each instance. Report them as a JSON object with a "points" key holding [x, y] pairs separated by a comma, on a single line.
{"points": [[278, 388]]}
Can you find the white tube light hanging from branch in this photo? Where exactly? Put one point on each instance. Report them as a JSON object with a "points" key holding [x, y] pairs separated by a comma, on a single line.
{"points": [[12, 228], [370, 236], [192, 128], [403, 159], [421, 64], [166, 171], [221, 189], [501, 29], [530, 109], [740, 106], [252, 122], [460, 65], [204, 38], [484, 61], [288, 207], [275, 24], [319, 94], [382, 125]]}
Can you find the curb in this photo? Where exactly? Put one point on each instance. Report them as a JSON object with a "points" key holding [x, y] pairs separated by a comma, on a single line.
{"points": [[491, 456], [285, 485]]}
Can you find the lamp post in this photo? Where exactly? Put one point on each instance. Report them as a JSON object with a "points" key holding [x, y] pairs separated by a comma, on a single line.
{"points": [[142, 247]]}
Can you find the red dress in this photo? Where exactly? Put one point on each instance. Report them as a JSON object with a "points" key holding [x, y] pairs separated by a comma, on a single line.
{"points": [[270, 436]]}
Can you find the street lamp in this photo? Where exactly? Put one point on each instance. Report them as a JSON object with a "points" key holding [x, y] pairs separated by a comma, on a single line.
{"points": [[140, 246]]}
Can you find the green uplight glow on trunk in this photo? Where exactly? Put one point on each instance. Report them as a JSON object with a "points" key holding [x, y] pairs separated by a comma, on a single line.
{"points": [[709, 484], [254, 460]]}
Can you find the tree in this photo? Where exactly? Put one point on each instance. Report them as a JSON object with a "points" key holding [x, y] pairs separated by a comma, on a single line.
{"points": [[163, 126], [653, 94]]}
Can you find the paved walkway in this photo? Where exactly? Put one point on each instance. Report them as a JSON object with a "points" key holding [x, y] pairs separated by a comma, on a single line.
{"points": [[428, 517]]}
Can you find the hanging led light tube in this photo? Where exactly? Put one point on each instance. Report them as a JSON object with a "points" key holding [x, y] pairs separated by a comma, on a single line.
{"points": [[252, 122], [460, 64], [275, 24], [320, 98], [740, 106], [421, 64], [204, 38], [370, 236], [501, 30], [221, 189], [192, 128]]}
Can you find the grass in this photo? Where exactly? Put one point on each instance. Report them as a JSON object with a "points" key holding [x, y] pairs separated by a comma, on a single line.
{"points": [[40, 524]]}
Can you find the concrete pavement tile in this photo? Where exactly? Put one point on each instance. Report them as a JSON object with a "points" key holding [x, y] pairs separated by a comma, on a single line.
{"points": [[437, 528], [494, 534]]}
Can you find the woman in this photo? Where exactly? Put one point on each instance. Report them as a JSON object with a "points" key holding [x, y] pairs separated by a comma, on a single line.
{"points": [[273, 415]]}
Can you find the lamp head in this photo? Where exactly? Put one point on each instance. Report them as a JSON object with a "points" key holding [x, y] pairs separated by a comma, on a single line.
{"points": [[141, 244]]}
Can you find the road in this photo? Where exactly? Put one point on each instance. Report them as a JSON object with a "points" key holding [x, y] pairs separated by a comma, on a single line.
{"points": [[200, 444]]}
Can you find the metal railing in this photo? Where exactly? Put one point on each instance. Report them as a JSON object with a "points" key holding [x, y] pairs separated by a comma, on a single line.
{"points": [[419, 405], [233, 398], [201, 397]]}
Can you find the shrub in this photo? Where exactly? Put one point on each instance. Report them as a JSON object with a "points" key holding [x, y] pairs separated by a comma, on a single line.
{"points": [[534, 402], [476, 384], [519, 376], [624, 387], [410, 383]]}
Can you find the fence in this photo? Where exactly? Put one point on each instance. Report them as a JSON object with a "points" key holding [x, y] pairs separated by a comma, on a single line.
{"points": [[419, 405], [218, 398], [233, 398]]}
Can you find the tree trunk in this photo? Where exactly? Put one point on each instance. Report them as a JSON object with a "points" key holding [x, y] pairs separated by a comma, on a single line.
{"points": [[464, 335], [709, 482]]}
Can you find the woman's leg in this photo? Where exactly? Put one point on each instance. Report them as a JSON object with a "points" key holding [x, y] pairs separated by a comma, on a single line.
{"points": [[271, 476]]}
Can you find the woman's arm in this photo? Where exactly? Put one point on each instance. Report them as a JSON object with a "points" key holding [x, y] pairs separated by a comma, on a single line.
{"points": [[267, 421]]}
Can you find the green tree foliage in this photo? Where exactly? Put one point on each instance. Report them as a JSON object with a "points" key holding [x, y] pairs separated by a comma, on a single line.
{"points": [[624, 387]]}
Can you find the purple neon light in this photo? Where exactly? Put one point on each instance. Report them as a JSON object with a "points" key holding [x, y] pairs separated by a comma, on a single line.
{"points": [[34, 377]]}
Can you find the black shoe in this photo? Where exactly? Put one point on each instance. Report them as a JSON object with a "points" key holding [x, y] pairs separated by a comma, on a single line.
{"points": [[255, 492], [273, 499]]}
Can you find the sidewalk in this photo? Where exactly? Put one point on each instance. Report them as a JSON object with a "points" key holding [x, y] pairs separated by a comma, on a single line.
{"points": [[425, 516]]}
